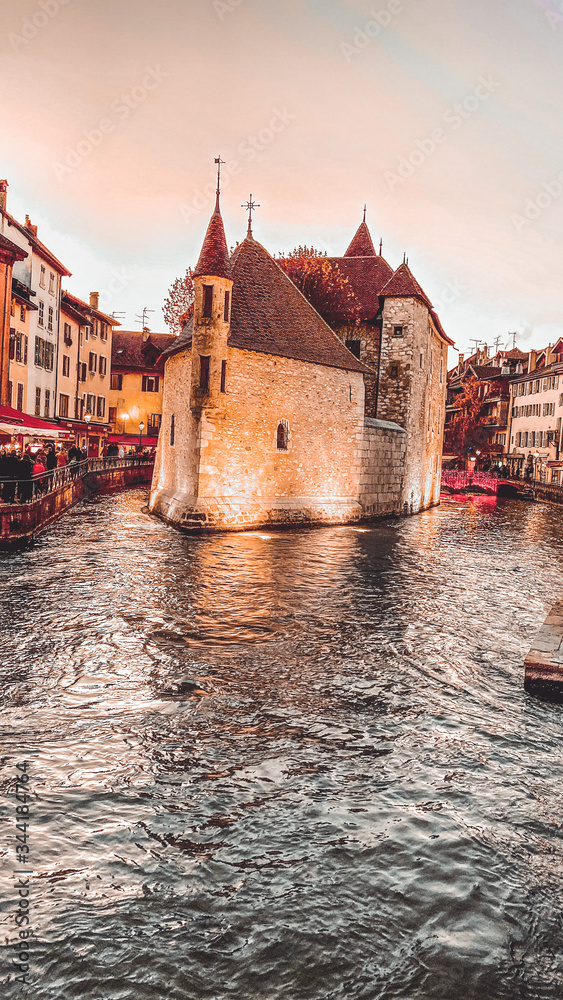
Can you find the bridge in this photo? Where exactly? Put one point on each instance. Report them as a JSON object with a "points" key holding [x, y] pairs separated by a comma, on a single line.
{"points": [[28, 506], [461, 481]]}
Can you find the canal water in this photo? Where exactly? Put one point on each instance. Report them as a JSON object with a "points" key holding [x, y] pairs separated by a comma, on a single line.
{"points": [[294, 766]]}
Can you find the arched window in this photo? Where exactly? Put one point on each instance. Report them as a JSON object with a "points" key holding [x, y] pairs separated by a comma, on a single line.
{"points": [[281, 437]]}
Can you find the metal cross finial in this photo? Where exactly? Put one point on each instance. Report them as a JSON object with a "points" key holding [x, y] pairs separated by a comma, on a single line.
{"points": [[250, 205], [218, 161], [381, 247]]}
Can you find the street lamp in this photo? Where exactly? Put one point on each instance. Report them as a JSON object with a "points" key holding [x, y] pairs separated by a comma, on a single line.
{"points": [[87, 419], [141, 429]]}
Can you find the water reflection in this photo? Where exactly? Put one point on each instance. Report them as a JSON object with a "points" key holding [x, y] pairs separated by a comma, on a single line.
{"points": [[288, 765]]}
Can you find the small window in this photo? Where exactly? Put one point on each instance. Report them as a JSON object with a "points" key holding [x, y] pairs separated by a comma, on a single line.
{"points": [[19, 405], [10, 392], [281, 437], [103, 366], [52, 283], [204, 371], [153, 424], [227, 306], [63, 405], [207, 300], [172, 429], [92, 361], [50, 320], [112, 414], [66, 366], [38, 402], [12, 347], [22, 314], [397, 331], [394, 371], [420, 364], [41, 316], [354, 347], [117, 382], [224, 376], [42, 276], [83, 371], [150, 383], [101, 406]]}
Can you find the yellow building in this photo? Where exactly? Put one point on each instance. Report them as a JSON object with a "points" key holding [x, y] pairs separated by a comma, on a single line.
{"points": [[137, 376], [22, 306]]}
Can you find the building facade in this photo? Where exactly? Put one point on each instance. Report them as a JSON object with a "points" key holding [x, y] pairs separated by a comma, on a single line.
{"points": [[136, 389], [264, 414], [535, 443]]}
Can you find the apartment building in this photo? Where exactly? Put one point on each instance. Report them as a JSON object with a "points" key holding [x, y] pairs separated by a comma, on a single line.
{"points": [[534, 449], [137, 377]]}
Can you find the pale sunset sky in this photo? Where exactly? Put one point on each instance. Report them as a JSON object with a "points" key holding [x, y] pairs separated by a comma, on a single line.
{"points": [[443, 116]]}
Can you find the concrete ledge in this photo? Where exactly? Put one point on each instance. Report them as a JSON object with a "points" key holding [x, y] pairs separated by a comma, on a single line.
{"points": [[543, 666]]}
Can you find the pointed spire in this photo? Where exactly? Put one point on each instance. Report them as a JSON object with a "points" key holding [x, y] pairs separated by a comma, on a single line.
{"points": [[218, 161], [362, 244], [381, 247], [214, 257]]}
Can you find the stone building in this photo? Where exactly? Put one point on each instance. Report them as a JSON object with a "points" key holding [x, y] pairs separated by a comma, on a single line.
{"points": [[399, 337], [9, 255], [264, 408]]}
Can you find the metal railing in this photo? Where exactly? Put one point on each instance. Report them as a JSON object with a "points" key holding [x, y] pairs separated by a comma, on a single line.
{"points": [[18, 490]]}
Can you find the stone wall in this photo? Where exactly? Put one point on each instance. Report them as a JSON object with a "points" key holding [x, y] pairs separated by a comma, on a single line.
{"points": [[412, 392], [368, 335], [225, 470], [382, 468]]}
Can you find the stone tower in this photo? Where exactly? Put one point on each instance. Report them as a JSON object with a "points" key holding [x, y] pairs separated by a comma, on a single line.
{"points": [[213, 286]]}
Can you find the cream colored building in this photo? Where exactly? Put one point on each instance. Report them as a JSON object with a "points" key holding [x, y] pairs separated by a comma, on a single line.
{"points": [[535, 447]]}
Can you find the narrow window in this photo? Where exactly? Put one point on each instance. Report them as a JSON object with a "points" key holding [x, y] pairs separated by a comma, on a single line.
{"points": [[63, 405], [20, 396], [38, 402], [281, 437], [394, 371], [224, 374], [112, 414], [204, 371], [397, 331], [117, 382], [207, 300], [227, 304], [10, 392], [172, 429]]}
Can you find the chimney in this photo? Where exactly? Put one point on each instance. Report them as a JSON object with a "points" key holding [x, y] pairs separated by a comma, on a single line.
{"points": [[532, 358], [29, 225], [3, 195], [460, 361], [94, 300], [146, 334]]}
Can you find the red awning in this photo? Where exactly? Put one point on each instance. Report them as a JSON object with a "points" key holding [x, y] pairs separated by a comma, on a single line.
{"points": [[132, 440], [14, 422]]}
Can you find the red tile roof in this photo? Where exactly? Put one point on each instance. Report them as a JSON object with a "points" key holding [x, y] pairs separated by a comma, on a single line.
{"points": [[362, 243], [214, 256], [403, 285], [130, 351], [9, 249], [39, 247], [271, 316], [366, 277], [440, 328], [84, 308]]}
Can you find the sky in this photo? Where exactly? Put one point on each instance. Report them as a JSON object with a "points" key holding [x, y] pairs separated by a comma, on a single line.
{"points": [[442, 116]]}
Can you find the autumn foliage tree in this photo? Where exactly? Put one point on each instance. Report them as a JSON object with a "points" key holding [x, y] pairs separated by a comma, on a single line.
{"points": [[179, 305], [465, 433], [322, 283]]}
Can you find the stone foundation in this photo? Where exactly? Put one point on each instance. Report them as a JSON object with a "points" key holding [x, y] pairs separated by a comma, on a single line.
{"points": [[231, 514], [544, 663]]}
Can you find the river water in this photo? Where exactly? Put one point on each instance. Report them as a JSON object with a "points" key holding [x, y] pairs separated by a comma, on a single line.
{"points": [[294, 766]]}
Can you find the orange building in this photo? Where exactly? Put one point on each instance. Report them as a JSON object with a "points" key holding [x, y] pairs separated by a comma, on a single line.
{"points": [[137, 376]]}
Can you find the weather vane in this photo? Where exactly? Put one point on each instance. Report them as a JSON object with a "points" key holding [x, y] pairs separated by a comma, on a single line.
{"points": [[250, 205], [219, 161]]}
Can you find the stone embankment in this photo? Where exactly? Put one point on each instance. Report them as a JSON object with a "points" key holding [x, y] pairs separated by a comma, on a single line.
{"points": [[20, 523], [544, 663]]}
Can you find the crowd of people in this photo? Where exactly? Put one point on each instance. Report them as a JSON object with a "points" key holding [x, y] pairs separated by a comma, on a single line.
{"points": [[25, 474]]}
